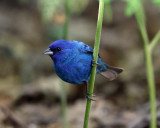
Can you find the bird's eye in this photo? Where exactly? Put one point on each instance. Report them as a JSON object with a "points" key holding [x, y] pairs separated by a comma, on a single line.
{"points": [[58, 49]]}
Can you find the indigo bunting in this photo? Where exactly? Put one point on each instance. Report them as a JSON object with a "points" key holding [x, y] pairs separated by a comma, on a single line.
{"points": [[72, 61]]}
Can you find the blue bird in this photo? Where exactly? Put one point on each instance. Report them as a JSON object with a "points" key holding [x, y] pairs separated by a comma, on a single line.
{"points": [[72, 61]]}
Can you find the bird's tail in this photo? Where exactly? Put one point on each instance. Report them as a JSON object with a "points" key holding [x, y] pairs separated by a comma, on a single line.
{"points": [[112, 72]]}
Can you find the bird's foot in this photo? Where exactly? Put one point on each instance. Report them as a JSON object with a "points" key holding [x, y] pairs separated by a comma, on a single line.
{"points": [[89, 98], [93, 63], [93, 95]]}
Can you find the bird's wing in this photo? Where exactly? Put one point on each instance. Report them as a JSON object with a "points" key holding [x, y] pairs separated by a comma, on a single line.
{"points": [[85, 48], [88, 49]]}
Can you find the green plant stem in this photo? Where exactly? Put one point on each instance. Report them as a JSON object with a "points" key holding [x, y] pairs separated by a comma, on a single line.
{"points": [[95, 56], [155, 41], [151, 83], [150, 73], [62, 84], [66, 24], [63, 104]]}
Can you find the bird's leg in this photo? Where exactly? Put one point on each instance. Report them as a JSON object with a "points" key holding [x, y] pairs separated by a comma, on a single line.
{"points": [[93, 63], [87, 93]]}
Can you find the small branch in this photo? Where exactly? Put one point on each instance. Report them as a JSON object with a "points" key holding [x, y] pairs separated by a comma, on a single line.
{"points": [[154, 41], [95, 56]]}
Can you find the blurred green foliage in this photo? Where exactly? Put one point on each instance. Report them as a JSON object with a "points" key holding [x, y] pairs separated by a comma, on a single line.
{"points": [[108, 14], [107, 1], [135, 7], [78, 6], [49, 7], [53, 13], [54, 32], [157, 2], [132, 7]]}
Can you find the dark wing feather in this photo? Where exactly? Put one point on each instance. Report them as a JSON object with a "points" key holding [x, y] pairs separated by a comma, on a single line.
{"points": [[112, 72]]}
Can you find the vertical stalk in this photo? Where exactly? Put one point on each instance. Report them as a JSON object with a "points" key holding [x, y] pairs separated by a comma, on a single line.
{"points": [[151, 83], [150, 73], [95, 56], [62, 84], [66, 24], [63, 104]]}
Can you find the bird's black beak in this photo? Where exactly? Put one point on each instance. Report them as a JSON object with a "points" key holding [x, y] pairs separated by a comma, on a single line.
{"points": [[48, 52]]}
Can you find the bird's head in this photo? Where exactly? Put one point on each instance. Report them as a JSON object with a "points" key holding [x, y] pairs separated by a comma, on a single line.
{"points": [[60, 50]]}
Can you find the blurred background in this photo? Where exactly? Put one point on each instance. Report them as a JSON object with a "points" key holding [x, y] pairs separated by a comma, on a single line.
{"points": [[29, 87]]}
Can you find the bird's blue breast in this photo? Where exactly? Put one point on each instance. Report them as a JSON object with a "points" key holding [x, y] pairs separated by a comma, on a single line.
{"points": [[75, 71]]}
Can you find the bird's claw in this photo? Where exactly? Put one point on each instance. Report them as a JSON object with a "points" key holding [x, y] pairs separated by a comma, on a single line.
{"points": [[89, 98], [93, 63], [93, 95]]}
